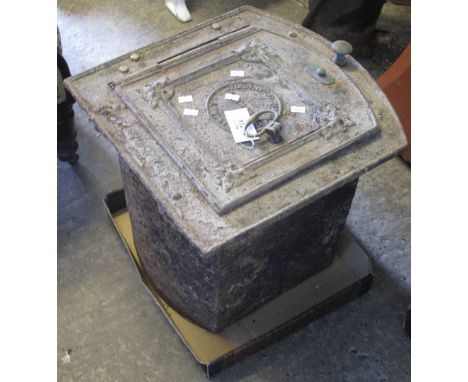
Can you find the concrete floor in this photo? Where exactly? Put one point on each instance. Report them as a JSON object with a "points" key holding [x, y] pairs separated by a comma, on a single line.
{"points": [[109, 329]]}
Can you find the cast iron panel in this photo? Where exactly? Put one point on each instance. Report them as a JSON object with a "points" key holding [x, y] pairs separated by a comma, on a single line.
{"points": [[226, 173]]}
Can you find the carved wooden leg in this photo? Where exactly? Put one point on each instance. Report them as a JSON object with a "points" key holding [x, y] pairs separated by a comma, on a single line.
{"points": [[66, 141]]}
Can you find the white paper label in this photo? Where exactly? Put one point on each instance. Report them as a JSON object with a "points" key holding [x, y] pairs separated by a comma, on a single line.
{"points": [[237, 73], [236, 120], [297, 109], [192, 112], [187, 98], [233, 97]]}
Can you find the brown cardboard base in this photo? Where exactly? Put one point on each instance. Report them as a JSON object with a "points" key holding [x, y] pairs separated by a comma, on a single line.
{"points": [[347, 278]]}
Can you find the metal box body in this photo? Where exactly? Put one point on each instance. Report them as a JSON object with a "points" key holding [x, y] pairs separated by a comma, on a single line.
{"points": [[217, 288], [222, 228]]}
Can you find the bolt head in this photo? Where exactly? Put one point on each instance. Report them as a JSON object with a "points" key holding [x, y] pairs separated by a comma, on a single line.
{"points": [[342, 47], [292, 34], [216, 26], [321, 72], [135, 57], [123, 69]]}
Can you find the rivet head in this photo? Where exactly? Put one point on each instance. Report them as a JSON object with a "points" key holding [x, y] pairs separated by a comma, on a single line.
{"points": [[321, 72], [216, 26], [123, 68], [292, 34], [135, 57]]}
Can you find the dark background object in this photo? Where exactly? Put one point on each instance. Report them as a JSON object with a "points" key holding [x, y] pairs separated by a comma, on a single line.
{"points": [[401, 2], [66, 133], [407, 324], [350, 20]]}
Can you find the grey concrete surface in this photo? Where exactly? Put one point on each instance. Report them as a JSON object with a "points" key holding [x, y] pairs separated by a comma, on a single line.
{"points": [[109, 329]]}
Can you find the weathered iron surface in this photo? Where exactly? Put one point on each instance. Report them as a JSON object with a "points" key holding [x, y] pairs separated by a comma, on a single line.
{"points": [[222, 228], [242, 274], [335, 117]]}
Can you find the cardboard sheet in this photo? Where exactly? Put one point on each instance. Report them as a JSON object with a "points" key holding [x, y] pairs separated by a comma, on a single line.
{"points": [[350, 266]]}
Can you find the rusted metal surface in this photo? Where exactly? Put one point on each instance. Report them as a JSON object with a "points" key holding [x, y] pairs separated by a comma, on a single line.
{"points": [[223, 227]]}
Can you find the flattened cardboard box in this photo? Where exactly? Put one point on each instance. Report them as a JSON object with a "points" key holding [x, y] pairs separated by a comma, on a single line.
{"points": [[347, 278]]}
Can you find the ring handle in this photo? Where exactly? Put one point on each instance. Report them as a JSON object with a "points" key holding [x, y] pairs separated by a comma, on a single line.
{"points": [[272, 128]]}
